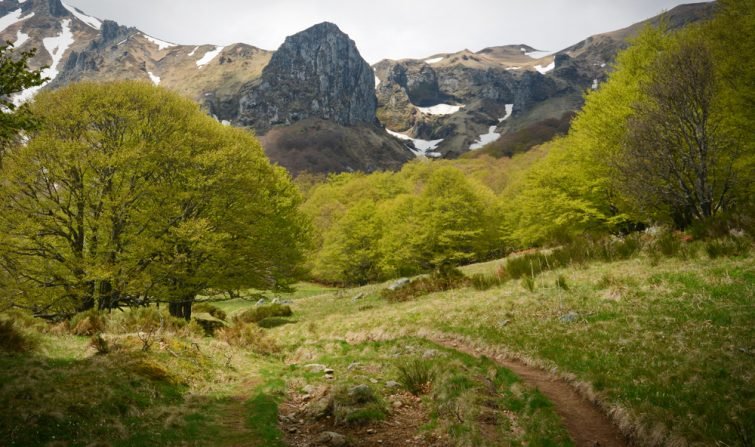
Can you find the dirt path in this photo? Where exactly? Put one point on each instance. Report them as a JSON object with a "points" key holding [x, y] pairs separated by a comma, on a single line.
{"points": [[587, 425]]}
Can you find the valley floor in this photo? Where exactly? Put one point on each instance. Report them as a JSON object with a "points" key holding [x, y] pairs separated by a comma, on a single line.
{"points": [[663, 349]]}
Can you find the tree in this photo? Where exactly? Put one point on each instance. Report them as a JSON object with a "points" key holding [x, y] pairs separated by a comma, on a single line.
{"points": [[15, 76], [350, 254], [453, 218], [678, 157], [128, 194]]}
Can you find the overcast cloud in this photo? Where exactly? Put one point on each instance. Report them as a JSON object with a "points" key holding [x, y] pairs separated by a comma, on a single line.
{"points": [[391, 29]]}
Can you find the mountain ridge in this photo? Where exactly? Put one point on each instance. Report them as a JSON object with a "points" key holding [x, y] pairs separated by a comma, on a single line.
{"points": [[440, 106]]}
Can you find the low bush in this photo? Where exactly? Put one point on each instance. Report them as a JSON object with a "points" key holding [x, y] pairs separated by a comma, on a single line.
{"points": [[728, 247], [485, 282], [248, 336], [438, 281], [528, 282], [215, 311], [13, 340], [259, 313], [91, 322], [357, 405], [561, 283], [416, 375], [152, 319]]}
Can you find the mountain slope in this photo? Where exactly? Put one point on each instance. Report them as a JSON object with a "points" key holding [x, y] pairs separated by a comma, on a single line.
{"points": [[444, 105], [538, 87]]}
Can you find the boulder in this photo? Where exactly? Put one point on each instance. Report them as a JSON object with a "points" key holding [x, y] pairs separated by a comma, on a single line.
{"points": [[332, 439]]}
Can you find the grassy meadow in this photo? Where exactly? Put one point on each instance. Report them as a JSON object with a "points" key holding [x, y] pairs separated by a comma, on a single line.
{"points": [[663, 344]]}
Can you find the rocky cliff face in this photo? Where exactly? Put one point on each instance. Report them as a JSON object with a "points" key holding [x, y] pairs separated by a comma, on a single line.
{"points": [[315, 106], [480, 86], [317, 73], [315, 99]]}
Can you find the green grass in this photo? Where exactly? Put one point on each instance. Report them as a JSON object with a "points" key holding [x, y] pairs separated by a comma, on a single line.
{"points": [[671, 343], [455, 391]]}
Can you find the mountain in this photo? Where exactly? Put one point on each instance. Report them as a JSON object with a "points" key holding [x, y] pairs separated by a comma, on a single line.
{"points": [[506, 98], [318, 106], [314, 106]]}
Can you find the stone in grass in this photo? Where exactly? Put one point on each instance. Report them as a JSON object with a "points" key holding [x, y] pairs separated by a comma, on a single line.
{"points": [[358, 296], [570, 317], [399, 283], [332, 439], [316, 367], [392, 384], [430, 353], [261, 302], [361, 394]]}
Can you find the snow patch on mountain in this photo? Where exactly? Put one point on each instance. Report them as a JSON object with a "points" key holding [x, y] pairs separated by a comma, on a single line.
{"points": [[91, 21], [545, 69], [193, 52], [155, 79], [485, 139], [21, 38], [56, 46], [161, 44], [434, 60], [422, 147], [12, 18], [509, 111], [209, 56], [440, 109], [377, 81]]}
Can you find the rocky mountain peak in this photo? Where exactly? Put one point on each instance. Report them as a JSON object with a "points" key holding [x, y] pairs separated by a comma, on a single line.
{"points": [[56, 8], [317, 73]]}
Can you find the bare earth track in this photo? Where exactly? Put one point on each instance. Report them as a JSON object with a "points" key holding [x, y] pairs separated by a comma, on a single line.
{"points": [[587, 425]]}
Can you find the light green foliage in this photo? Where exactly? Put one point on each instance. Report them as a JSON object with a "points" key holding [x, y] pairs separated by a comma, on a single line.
{"points": [[350, 247], [600, 178], [129, 192], [15, 76], [386, 225]]}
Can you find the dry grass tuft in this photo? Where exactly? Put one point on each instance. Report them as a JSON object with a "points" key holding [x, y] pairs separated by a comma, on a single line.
{"points": [[249, 336]]}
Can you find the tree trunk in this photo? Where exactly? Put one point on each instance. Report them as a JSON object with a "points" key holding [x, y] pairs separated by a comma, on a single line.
{"points": [[181, 309]]}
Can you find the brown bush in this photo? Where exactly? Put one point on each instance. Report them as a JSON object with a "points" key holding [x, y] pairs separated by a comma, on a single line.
{"points": [[248, 336], [12, 340], [91, 322]]}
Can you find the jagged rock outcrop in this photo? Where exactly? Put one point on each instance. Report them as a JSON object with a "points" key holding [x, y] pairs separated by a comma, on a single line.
{"points": [[317, 73], [314, 101]]}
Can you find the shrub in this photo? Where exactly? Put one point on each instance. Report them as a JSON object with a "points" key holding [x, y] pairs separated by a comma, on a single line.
{"points": [[13, 341], [357, 405], [440, 280], [485, 282], [561, 282], [248, 336], [210, 309], [416, 375], [717, 248], [152, 319], [100, 345], [257, 314], [152, 370], [526, 265], [528, 282], [88, 323]]}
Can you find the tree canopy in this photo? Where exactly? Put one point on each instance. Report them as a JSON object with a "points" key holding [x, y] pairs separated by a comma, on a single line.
{"points": [[128, 193], [15, 76]]}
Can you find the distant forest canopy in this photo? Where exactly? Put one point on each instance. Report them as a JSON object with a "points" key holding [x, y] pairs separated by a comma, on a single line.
{"points": [[667, 140]]}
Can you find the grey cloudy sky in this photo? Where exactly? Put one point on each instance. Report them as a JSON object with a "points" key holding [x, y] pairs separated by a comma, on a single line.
{"points": [[392, 29]]}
